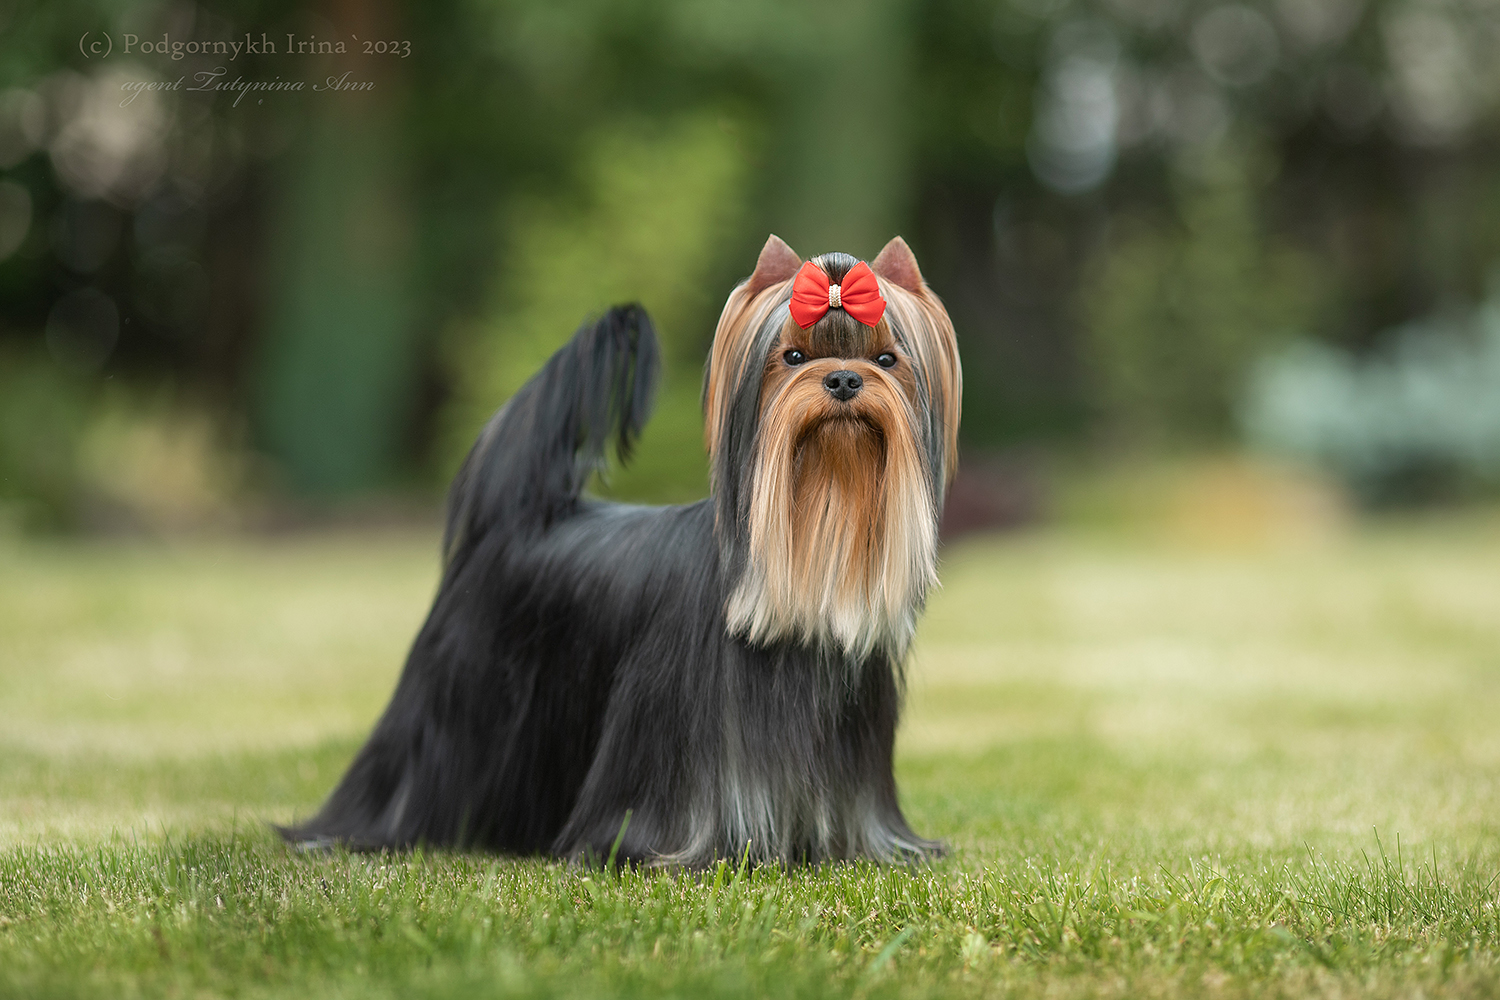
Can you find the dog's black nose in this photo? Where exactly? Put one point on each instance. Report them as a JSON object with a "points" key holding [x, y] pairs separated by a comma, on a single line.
{"points": [[843, 384]]}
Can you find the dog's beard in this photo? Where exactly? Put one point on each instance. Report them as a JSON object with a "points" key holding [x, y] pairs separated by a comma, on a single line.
{"points": [[843, 532]]}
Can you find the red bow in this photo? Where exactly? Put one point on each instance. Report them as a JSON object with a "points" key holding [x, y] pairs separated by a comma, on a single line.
{"points": [[859, 295]]}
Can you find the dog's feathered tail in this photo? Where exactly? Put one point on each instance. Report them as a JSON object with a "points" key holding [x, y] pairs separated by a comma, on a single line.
{"points": [[539, 450], [417, 778]]}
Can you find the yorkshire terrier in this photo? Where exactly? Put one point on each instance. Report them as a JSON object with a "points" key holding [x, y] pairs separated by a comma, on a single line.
{"points": [[675, 685]]}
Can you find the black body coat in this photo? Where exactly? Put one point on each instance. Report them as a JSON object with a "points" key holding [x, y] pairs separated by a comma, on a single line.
{"points": [[575, 665]]}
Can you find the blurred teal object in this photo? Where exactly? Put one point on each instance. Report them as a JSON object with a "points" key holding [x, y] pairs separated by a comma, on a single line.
{"points": [[1417, 420], [335, 378]]}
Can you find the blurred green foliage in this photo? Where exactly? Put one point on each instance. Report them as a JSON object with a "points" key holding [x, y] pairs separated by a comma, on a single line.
{"points": [[42, 418], [1123, 203], [1178, 309], [649, 224]]}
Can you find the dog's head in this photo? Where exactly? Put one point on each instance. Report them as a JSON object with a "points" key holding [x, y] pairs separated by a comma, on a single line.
{"points": [[832, 445]]}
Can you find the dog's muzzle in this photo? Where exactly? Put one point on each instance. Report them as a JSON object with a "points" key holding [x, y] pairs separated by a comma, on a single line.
{"points": [[844, 385]]}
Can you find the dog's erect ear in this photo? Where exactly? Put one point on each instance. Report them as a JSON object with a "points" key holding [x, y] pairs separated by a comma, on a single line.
{"points": [[778, 262], [896, 263]]}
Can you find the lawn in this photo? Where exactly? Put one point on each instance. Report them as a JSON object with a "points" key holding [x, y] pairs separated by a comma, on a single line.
{"points": [[1164, 769]]}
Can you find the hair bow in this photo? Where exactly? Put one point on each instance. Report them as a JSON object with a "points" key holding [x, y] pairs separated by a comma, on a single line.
{"points": [[858, 295]]}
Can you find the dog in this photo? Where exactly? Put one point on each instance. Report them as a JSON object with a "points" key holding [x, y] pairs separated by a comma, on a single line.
{"points": [[677, 685]]}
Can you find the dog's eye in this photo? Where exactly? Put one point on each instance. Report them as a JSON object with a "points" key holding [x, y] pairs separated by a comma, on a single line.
{"points": [[886, 360], [794, 357]]}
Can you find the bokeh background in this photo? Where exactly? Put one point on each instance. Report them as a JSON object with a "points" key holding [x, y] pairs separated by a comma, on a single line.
{"points": [[1165, 230], [1208, 695]]}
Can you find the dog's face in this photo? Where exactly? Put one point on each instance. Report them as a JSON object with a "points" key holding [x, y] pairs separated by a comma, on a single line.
{"points": [[832, 447]]}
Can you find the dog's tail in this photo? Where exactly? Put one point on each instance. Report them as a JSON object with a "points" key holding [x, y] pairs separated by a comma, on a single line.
{"points": [[539, 450]]}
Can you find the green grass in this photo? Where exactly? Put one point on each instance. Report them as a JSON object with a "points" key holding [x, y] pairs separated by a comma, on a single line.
{"points": [[1163, 771]]}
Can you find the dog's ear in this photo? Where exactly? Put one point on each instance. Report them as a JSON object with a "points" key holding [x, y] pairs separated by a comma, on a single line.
{"points": [[897, 264], [777, 263], [734, 340]]}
